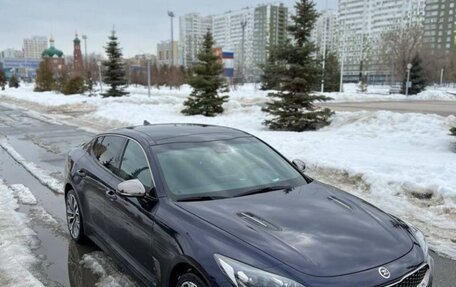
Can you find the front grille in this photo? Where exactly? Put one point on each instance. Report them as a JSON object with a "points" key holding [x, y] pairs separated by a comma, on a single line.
{"points": [[412, 280]]}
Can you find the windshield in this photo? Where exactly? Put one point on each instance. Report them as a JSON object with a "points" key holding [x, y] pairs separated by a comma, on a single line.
{"points": [[220, 169]]}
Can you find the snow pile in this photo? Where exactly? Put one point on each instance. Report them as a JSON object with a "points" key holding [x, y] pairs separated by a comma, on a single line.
{"points": [[381, 93], [24, 195], [42, 175], [16, 258], [102, 266], [247, 95]]}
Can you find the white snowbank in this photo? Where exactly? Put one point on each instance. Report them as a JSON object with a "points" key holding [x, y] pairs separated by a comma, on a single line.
{"points": [[16, 257], [42, 175], [381, 93], [247, 95], [103, 266], [24, 194]]}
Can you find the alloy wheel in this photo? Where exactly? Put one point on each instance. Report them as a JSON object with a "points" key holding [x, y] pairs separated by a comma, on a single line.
{"points": [[188, 284], [73, 216]]}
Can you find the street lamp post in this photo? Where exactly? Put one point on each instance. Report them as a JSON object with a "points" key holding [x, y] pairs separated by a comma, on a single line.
{"points": [[171, 16], [148, 77], [341, 83], [441, 76], [408, 84], [99, 74], [243, 25], [84, 37], [324, 58]]}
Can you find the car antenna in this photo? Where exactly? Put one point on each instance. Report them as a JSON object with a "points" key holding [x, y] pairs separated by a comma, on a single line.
{"points": [[146, 123]]}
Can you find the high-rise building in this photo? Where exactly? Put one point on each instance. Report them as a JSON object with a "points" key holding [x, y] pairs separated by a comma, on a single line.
{"points": [[33, 47], [361, 24], [233, 32], [168, 54], [11, 53], [270, 29], [192, 28], [440, 25], [324, 34]]}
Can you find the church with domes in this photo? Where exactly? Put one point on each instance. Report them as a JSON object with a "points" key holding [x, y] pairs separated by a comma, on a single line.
{"points": [[54, 58]]}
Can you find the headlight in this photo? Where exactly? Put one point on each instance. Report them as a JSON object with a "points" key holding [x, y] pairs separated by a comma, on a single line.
{"points": [[419, 236], [243, 275]]}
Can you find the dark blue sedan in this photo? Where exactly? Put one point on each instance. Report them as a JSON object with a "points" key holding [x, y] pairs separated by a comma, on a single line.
{"points": [[185, 205]]}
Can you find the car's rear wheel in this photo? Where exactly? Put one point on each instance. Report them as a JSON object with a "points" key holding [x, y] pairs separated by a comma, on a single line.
{"points": [[190, 280], [74, 217]]}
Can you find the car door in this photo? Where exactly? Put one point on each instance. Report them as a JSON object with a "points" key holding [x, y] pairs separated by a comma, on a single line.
{"points": [[131, 219], [103, 162]]}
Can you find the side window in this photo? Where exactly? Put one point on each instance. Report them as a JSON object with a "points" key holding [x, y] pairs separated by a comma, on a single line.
{"points": [[106, 151], [97, 148], [134, 165]]}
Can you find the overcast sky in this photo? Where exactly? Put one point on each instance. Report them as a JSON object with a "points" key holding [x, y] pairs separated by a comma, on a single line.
{"points": [[140, 24]]}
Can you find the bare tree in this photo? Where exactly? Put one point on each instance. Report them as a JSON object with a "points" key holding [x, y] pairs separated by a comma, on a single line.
{"points": [[436, 60], [397, 48]]}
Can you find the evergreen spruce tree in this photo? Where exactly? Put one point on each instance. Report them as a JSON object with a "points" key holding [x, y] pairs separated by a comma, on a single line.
{"points": [[114, 72], [13, 82], [207, 83], [296, 71], [2, 80], [61, 81], [74, 86], [44, 78], [332, 73], [270, 79], [417, 77], [453, 131]]}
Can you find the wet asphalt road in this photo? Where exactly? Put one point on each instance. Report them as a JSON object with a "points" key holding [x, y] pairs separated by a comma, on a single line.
{"points": [[45, 144]]}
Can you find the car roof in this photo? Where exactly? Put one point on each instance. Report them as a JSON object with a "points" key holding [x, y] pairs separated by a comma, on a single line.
{"points": [[170, 133]]}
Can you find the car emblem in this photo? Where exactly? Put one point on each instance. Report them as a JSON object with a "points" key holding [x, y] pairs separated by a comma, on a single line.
{"points": [[384, 272]]}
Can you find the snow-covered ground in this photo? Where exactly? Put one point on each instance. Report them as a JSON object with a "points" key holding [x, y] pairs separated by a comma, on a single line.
{"points": [[382, 93], [403, 163], [17, 260], [249, 94]]}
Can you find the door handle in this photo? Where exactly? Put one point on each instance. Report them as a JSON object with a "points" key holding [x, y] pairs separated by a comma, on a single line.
{"points": [[81, 173], [111, 194]]}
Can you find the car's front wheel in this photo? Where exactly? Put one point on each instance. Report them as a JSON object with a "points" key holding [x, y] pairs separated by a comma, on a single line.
{"points": [[190, 280], [74, 218]]}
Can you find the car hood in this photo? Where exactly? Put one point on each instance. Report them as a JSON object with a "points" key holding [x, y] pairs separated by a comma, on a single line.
{"points": [[315, 228]]}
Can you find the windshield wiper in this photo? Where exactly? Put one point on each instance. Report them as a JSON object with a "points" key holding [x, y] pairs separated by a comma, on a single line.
{"points": [[265, 189], [200, 198]]}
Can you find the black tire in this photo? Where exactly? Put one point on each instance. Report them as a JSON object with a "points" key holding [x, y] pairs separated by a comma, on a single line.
{"points": [[190, 280], [74, 218]]}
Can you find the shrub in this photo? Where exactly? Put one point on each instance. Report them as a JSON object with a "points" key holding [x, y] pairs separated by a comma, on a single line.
{"points": [[74, 86]]}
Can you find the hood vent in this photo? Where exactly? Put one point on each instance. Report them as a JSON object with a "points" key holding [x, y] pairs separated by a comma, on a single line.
{"points": [[340, 202], [257, 221]]}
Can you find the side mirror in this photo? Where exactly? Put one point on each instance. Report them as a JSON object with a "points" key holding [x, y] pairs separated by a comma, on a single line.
{"points": [[131, 188], [299, 164]]}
